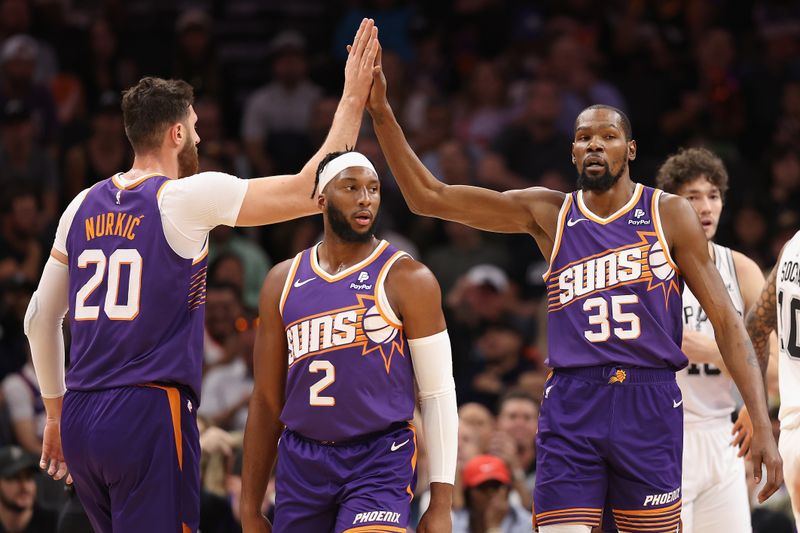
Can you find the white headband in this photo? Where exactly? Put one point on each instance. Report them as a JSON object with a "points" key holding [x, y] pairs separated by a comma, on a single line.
{"points": [[346, 160]]}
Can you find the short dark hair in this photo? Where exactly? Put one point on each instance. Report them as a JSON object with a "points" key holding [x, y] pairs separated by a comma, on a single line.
{"points": [[623, 118], [151, 106], [325, 160], [516, 394], [689, 164]]}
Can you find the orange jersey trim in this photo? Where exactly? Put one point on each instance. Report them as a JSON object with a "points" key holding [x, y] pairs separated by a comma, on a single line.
{"points": [[135, 183], [174, 398], [650, 512], [413, 460], [375, 529], [380, 283], [637, 194], [562, 218], [330, 278], [655, 211], [287, 285]]}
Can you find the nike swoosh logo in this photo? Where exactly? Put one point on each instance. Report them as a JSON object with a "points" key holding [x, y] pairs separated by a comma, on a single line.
{"points": [[571, 222], [396, 446], [547, 391], [676, 404], [299, 283]]}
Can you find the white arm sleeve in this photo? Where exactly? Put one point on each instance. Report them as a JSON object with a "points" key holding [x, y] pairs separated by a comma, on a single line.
{"points": [[193, 206], [433, 368], [60, 242], [43, 326]]}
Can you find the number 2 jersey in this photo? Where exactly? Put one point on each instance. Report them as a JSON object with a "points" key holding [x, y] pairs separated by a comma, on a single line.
{"points": [[136, 306], [787, 291], [349, 369], [614, 292]]}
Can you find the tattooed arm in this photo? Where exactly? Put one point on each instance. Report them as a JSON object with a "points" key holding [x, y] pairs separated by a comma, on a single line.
{"points": [[762, 320]]}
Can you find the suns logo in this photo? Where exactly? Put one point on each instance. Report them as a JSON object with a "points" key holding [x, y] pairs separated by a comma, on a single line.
{"points": [[643, 261], [361, 325]]}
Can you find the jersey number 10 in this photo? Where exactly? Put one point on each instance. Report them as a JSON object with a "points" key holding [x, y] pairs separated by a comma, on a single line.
{"points": [[113, 310], [790, 343]]}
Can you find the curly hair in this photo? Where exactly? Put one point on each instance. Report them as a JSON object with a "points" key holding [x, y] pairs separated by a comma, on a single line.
{"points": [[150, 107], [688, 165]]}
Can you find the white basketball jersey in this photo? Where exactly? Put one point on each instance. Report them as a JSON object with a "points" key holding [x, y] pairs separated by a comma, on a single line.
{"points": [[788, 296], [708, 394]]}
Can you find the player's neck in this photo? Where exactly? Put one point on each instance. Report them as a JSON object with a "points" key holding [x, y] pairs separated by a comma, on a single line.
{"points": [[15, 521], [606, 203], [152, 163], [335, 255]]}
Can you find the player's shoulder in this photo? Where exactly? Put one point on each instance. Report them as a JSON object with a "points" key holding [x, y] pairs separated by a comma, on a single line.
{"points": [[275, 280], [539, 195], [201, 179], [410, 276], [744, 265]]}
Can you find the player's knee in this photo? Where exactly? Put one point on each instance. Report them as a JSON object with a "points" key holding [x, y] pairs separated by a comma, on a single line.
{"points": [[565, 528]]}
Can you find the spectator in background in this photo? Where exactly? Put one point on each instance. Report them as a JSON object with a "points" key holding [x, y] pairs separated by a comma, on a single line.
{"points": [[277, 116], [227, 387], [784, 173], [515, 440], [226, 153], [195, 59], [105, 69], [15, 294], [465, 248], [498, 366], [483, 111], [221, 344], [489, 508], [103, 154], [15, 19], [25, 407], [227, 269], [19, 512], [24, 163], [531, 147], [21, 253], [19, 58], [254, 262]]}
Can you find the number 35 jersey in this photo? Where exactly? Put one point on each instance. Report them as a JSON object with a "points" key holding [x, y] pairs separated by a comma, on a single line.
{"points": [[136, 307], [349, 371], [614, 292]]}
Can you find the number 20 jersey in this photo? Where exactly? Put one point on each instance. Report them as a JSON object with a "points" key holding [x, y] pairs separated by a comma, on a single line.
{"points": [[349, 370], [614, 293], [136, 307]]}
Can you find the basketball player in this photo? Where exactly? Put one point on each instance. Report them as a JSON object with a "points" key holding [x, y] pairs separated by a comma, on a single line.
{"points": [[346, 329], [611, 423], [714, 484], [129, 262], [778, 309]]}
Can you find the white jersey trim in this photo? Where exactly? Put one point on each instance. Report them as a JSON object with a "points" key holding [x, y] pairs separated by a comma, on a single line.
{"points": [[381, 299]]}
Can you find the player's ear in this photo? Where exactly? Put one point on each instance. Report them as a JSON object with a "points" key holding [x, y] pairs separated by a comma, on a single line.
{"points": [[573, 153], [321, 202], [177, 133], [631, 150]]}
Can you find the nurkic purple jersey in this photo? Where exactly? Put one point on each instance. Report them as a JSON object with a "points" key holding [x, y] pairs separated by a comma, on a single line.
{"points": [[136, 307], [349, 370], [614, 292]]}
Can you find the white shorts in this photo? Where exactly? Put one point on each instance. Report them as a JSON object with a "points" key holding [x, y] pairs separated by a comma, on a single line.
{"points": [[714, 482], [789, 448]]}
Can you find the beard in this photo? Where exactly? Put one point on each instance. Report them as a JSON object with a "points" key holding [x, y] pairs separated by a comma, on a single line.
{"points": [[599, 183], [342, 228], [11, 505], [188, 162]]}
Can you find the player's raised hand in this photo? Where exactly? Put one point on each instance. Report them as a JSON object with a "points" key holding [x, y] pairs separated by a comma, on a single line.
{"points": [[360, 61], [377, 94], [764, 451], [52, 457]]}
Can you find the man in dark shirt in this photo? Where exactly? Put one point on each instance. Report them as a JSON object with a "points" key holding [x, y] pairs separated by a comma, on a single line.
{"points": [[19, 512]]}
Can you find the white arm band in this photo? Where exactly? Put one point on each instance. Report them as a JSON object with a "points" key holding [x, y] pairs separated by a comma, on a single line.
{"points": [[433, 368], [43, 325]]}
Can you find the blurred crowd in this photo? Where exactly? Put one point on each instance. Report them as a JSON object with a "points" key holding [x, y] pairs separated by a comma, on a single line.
{"points": [[487, 92]]}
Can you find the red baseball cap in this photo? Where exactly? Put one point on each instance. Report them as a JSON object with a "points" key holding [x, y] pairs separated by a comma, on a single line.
{"points": [[483, 468]]}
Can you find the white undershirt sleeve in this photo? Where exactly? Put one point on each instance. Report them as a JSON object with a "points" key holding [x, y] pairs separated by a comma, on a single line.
{"points": [[433, 369], [43, 325], [193, 206], [64, 223]]}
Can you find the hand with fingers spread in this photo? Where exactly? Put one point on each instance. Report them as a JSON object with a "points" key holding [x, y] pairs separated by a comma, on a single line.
{"points": [[763, 450], [742, 432], [52, 457], [360, 61]]}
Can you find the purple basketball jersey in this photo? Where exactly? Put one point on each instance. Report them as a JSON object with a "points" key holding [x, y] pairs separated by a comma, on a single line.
{"points": [[136, 307], [350, 373], [614, 293]]}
